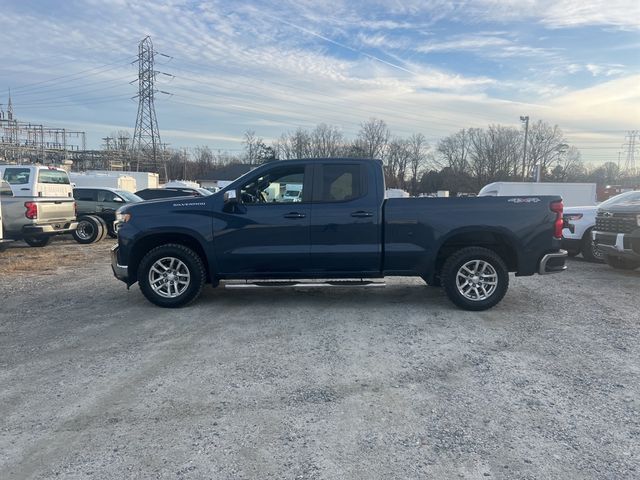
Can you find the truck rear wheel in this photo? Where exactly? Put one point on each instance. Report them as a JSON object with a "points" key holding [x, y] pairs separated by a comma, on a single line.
{"points": [[89, 230], [37, 241], [622, 263], [171, 275], [475, 278]]}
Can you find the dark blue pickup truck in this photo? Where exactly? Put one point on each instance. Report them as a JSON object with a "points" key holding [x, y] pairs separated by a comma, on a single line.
{"points": [[339, 227]]}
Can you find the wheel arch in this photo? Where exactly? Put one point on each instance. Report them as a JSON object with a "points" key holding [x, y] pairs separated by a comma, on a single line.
{"points": [[153, 240], [501, 241]]}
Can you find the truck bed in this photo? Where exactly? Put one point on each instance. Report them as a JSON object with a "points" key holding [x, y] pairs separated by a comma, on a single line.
{"points": [[417, 229]]}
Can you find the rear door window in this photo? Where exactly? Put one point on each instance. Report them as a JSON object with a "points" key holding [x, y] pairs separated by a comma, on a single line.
{"points": [[84, 195], [341, 183], [17, 176], [58, 177]]}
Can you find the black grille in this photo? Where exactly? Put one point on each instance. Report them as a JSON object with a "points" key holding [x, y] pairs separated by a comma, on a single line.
{"points": [[618, 223]]}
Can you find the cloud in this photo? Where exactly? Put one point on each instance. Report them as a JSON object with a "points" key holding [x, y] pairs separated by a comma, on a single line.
{"points": [[278, 66]]}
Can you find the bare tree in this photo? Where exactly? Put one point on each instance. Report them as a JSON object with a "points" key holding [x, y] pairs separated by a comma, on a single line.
{"points": [[569, 167], [326, 141], [396, 162], [418, 148], [251, 145], [454, 152], [373, 138], [493, 153], [544, 146], [292, 145]]}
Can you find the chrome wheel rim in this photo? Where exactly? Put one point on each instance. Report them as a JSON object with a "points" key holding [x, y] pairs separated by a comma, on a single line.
{"points": [[169, 277], [477, 280], [85, 230]]}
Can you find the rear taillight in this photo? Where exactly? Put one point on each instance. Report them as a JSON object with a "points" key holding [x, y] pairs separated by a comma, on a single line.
{"points": [[75, 209], [558, 208], [32, 210]]}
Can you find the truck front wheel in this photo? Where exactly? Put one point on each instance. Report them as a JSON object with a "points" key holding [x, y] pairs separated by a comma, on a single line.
{"points": [[475, 278], [171, 275]]}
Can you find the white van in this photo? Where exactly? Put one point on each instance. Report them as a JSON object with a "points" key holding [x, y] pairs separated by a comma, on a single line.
{"points": [[573, 194]]}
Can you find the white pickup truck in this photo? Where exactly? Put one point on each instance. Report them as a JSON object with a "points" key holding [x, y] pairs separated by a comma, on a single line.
{"points": [[41, 205]]}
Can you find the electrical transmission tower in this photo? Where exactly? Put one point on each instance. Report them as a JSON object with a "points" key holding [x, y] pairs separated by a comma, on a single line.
{"points": [[146, 147], [631, 146]]}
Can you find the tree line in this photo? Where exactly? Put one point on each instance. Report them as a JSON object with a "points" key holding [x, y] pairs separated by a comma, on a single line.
{"points": [[464, 161]]}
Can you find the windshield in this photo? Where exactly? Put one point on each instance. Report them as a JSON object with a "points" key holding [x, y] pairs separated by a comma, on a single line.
{"points": [[128, 196], [204, 192], [292, 193], [627, 198]]}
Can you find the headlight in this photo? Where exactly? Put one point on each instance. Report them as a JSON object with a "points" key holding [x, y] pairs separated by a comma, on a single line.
{"points": [[123, 217], [571, 217]]}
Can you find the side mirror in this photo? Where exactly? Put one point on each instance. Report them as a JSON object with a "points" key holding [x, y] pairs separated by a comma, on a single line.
{"points": [[230, 197], [118, 200]]}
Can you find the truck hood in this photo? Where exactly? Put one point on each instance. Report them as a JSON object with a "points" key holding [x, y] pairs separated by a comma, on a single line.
{"points": [[585, 209], [161, 206], [630, 207]]}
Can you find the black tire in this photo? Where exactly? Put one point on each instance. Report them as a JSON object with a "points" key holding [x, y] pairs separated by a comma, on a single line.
{"points": [[37, 241], [89, 230], [497, 269], [622, 263], [590, 250], [105, 228], [190, 260]]}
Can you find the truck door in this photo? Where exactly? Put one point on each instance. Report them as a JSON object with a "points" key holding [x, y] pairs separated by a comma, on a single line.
{"points": [[266, 232], [346, 234]]}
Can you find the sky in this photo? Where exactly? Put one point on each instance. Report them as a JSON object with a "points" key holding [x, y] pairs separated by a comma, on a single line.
{"points": [[424, 66]]}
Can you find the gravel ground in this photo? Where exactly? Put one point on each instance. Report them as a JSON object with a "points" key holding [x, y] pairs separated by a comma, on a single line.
{"points": [[327, 384]]}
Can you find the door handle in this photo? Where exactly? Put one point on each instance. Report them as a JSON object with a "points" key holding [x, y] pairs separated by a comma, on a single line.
{"points": [[295, 215], [361, 214]]}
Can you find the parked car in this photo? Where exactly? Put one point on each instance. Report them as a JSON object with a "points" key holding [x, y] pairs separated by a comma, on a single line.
{"points": [[342, 228], [97, 211], [155, 193], [5, 191], [577, 235], [617, 230], [42, 204]]}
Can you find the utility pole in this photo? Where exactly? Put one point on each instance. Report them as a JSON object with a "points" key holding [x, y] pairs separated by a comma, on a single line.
{"points": [[525, 119], [146, 146]]}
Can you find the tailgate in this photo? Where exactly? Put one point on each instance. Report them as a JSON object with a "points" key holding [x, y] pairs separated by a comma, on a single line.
{"points": [[55, 210]]}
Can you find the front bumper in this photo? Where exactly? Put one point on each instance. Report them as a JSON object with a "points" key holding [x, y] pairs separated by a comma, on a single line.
{"points": [[121, 272], [617, 244], [553, 263], [50, 229]]}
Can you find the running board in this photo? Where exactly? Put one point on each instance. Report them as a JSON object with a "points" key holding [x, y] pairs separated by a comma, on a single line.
{"points": [[305, 284]]}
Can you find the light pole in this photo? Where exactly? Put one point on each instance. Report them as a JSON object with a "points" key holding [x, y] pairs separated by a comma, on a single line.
{"points": [[525, 119]]}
